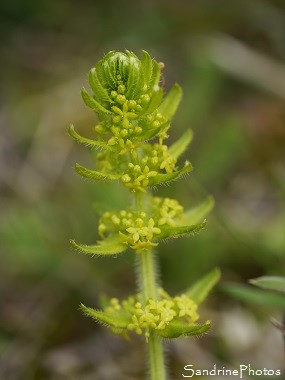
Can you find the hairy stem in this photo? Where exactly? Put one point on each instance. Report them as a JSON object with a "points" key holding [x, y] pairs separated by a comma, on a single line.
{"points": [[148, 284]]}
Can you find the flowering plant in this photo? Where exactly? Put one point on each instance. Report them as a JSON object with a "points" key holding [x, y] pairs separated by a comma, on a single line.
{"points": [[134, 120]]}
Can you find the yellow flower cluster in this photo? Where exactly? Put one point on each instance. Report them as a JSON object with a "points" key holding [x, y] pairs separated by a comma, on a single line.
{"points": [[168, 211], [137, 229], [116, 221], [155, 315], [140, 236], [157, 155], [127, 122], [138, 177], [127, 111]]}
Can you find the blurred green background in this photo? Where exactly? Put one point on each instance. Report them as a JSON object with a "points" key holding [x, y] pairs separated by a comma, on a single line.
{"points": [[229, 58]]}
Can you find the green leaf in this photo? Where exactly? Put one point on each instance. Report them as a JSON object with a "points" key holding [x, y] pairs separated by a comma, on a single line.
{"points": [[257, 296], [95, 175], [174, 232], [86, 141], [134, 76], [106, 70], [92, 103], [181, 144], [146, 63], [275, 283], [177, 328], [155, 75], [107, 247], [171, 102], [154, 102], [117, 319], [194, 215], [163, 178], [199, 291], [99, 91]]}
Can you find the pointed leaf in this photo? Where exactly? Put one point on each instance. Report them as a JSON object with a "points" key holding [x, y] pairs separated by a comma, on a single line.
{"points": [[117, 320], [86, 141], [163, 178], [275, 283], [171, 102], [155, 75], [175, 329], [194, 215], [93, 174], [146, 63], [257, 296], [105, 248], [92, 103], [199, 291], [174, 232]]}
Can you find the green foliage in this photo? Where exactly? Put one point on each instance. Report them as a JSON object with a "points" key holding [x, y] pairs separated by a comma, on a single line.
{"points": [[167, 177], [197, 213], [180, 329], [169, 317], [181, 145], [88, 142], [44, 204], [174, 232], [270, 294], [106, 247], [171, 102], [255, 296], [199, 291], [134, 118], [95, 175], [274, 283]]}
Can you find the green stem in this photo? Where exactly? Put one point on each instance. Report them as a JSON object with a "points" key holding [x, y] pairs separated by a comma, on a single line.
{"points": [[148, 283], [147, 275]]}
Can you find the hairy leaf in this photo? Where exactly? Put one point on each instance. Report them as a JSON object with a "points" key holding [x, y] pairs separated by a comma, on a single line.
{"points": [[93, 174], [117, 320], [174, 232], [104, 248], [92, 103], [86, 141], [177, 328], [163, 178], [199, 291]]}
